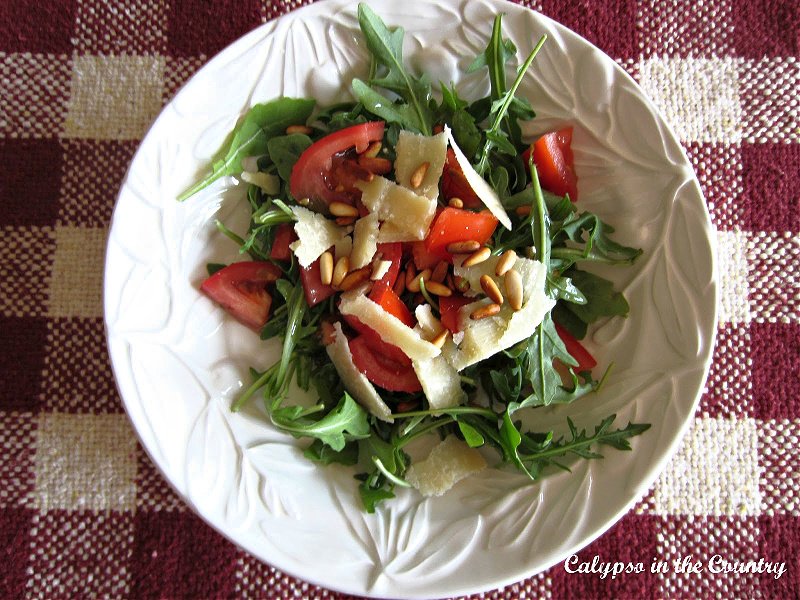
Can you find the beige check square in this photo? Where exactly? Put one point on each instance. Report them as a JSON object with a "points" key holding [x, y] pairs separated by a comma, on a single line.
{"points": [[734, 306], [76, 287], [85, 462], [715, 472], [699, 97], [114, 97]]}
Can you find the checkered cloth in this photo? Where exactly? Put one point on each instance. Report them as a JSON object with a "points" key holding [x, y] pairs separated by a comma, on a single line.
{"points": [[83, 512]]}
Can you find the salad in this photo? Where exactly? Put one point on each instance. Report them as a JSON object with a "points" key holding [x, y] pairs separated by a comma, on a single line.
{"points": [[423, 266]]}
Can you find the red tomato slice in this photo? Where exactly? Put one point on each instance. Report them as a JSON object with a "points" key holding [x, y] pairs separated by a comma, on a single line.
{"points": [[315, 173], [424, 259], [586, 361], [448, 310], [284, 235], [555, 163], [455, 185], [313, 288], [240, 288], [382, 370], [458, 225], [390, 302]]}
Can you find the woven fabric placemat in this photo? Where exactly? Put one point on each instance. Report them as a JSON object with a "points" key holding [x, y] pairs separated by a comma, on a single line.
{"points": [[83, 513]]}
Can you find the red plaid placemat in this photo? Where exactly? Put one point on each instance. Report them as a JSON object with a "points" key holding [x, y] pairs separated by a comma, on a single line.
{"points": [[83, 512]]}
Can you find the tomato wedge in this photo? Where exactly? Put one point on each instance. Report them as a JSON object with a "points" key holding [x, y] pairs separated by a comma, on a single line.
{"points": [[322, 167], [555, 163], [382, 370], [240, 288], [284, 235], [390, 302], [315, 291], [455, 185], [586, 361], [448, 310], [458, 225]]}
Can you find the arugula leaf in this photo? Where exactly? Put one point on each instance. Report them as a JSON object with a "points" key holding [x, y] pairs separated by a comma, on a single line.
{"points": [[322, 453], [602, 300], [371, 496], [284, 151], [386, 47], [347, 421], [250, 138], [537, 454], [587, 229]]}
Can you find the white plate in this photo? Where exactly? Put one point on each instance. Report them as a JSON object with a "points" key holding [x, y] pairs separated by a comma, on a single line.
{"points": [[179, 360]]}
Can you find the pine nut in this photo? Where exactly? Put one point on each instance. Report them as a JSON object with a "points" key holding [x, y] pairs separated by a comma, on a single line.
{"points": [[465, 247], [304, 201], [326, 268], [410, 274], [299, 129], [440, 338], [523, 211], [340, 209], [477, 257], [513, 284], [372, 150], [400, 285], [340, 270], [438, 289], [355, 278], [414, 285], [455, 203], [440, 271], [419, 174], [506, 261], [490, 288], [487, 310]]}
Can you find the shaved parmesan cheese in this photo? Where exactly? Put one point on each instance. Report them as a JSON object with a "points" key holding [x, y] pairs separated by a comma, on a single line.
{"points": [[379, 269], [315, 234], [449, 462], [391, 329], [428, 324], [343, 247], [411, 151], [355, 382], [483, 190], [404, 213], [441, 383], [486, 337], [271, 184], [365, 241]]}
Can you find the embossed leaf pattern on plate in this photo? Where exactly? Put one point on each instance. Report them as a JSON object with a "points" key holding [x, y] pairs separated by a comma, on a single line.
{"points": [[179, 360]]}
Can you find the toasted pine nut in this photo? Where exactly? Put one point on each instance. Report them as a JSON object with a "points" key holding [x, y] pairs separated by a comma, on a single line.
{"points": [[513, 284], [414, 285], [465, 247], [487, 310], [304, 201], [440, 271], [345, 221], [477, 257], [506, 261], [355, 278], [299, 129], [400, 285], [440, 338], [326, 268], [460, 283], [455, 203], [340, 270], [438, 289], [490, 288], [340, 209], [372, 150], [419, 174], [523, 211], [410, 274]]}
